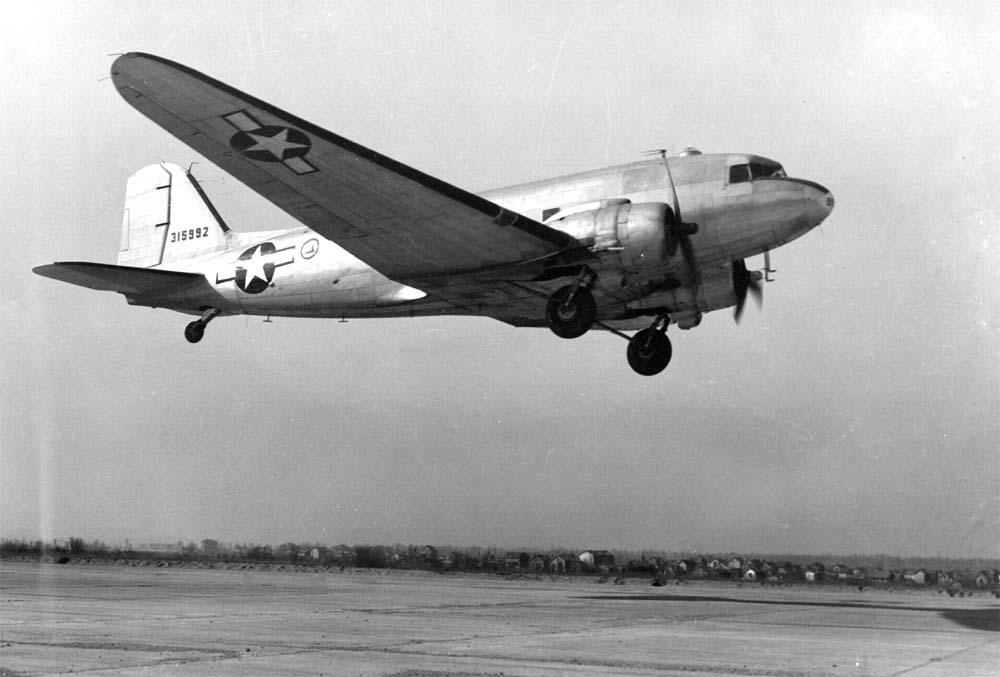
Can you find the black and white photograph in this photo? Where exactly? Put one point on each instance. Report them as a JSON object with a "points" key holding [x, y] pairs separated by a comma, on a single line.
{"points": [[440, 339]]}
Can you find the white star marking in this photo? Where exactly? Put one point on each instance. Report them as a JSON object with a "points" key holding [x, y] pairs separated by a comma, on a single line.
{"points": [[254, 267], [275, 145]]}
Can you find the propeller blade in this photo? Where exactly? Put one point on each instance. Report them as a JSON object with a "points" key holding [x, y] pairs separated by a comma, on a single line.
{"points": [[671, 241], [757, 291], [745, 281], [738, 311], [681, 231], [687, 249]]}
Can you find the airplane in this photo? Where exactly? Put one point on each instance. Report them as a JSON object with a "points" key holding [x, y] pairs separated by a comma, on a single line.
{"points": [[634, 247]]}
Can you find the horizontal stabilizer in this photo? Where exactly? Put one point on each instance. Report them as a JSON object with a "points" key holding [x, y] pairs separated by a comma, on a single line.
{"points": [[122, 279]]}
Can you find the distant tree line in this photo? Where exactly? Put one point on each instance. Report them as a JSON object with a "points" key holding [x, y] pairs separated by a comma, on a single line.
{"points": [[660, 566]]}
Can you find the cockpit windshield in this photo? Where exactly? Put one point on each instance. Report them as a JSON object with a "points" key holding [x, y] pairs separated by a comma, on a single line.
{"points": [[755, 170]]}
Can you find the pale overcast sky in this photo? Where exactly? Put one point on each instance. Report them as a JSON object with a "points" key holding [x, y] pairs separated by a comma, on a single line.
{"points": [[858, 413]]}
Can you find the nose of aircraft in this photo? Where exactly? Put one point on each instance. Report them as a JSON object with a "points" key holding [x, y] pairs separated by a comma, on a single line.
{"points": [[819, 202]]}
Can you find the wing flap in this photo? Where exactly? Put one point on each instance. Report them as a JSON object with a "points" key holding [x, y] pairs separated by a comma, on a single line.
{"points": [[147, 282], [406, 224]]}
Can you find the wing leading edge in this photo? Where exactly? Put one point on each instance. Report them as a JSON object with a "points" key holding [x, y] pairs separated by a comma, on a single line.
{"points": [[406, 224]]}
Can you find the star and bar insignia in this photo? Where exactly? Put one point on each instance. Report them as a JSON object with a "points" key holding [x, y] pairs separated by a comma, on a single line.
{"points": [[270, 143], [255, 267]]}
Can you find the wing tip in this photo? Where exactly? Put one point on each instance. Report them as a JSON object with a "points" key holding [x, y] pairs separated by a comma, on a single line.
{"points": [[116, 65], [121, 62]]}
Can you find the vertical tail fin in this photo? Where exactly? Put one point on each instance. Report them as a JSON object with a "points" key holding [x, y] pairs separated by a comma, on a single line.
{"points": [[167, 218]]}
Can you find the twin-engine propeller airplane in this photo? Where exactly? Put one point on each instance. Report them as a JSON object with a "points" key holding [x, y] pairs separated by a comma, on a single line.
{"points": [[633, 247]]}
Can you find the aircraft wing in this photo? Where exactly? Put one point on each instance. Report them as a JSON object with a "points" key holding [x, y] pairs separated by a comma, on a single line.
{"points": [[145, 282], [406, 224]]}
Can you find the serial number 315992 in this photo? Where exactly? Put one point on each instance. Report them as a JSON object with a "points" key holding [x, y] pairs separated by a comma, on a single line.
{"points": [[189, 234]]}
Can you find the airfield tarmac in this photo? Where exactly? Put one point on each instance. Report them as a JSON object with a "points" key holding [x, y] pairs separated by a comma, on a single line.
{"points": [[108, 620]]}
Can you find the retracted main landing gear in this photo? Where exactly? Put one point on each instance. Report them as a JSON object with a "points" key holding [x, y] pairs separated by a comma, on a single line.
{"points": [[649, 351], [196, 330], [571, 310]]}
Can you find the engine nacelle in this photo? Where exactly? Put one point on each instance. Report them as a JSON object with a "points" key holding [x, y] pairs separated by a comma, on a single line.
{"points": [[715, 291], [640, 232], [644, 235]]}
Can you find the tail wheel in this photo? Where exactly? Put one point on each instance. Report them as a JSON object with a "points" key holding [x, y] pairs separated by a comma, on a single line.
{"points": [[195, 331], [649, 352], [571, 311]]}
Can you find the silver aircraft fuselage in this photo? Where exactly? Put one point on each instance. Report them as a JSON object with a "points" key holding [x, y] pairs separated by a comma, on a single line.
{"points": [[739, 214]]}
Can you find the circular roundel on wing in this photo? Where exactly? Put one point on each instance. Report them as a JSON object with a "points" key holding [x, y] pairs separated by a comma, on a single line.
{"points": [[271, 143], [255, 268]]}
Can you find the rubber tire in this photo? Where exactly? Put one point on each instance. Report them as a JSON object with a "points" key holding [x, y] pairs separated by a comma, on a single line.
{"points": [[582, 315], [652, 360], [195, 331]]}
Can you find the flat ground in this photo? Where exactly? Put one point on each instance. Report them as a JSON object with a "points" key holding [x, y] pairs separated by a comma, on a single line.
{"points": [[108, 620]]}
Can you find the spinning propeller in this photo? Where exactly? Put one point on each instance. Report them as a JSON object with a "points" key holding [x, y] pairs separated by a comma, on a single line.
{"points": [[680, 232], [746, 281]]}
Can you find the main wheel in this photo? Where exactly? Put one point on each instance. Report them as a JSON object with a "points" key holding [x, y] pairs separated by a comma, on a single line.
{"points": [[572, 319], [649, 352], [194, 331]]}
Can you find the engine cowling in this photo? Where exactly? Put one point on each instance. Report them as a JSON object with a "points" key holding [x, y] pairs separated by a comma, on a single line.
{"points": [[715, 291], [640, 232], [645, 236]]}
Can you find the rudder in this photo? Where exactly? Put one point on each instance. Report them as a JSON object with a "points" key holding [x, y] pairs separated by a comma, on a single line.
{"points": [[167, 218]]}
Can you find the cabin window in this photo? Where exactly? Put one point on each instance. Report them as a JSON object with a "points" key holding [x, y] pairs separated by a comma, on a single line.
{"points": [[546, 213], [739, 173], [763, 170], [755, 170]]}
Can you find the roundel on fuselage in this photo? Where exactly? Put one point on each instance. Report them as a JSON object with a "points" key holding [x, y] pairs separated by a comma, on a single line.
{"points": [[255, 268]]}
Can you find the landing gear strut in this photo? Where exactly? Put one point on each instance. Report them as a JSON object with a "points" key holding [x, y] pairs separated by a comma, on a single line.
{"points": [[195, 331], [571, 310], [649, 351]]}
